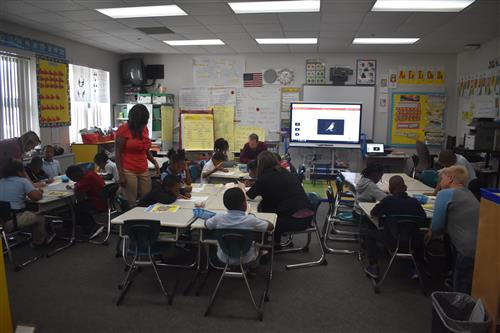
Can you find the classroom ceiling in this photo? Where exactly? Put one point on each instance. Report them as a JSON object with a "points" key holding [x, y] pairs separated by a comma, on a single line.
{"points": [[338, 22]]}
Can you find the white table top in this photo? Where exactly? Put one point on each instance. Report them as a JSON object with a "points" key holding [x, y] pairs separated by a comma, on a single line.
{"points": [[180, 219], [233, 173], [413, 185], [160, 161], [393, 156], [270, 217], [58, 186], [368, 206]]}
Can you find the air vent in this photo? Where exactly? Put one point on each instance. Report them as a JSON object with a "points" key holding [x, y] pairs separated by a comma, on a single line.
{"points": [[155, 30]]}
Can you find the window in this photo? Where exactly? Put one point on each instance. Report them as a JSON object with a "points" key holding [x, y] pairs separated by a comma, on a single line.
{"points": [[90, 102], [17, 114]]}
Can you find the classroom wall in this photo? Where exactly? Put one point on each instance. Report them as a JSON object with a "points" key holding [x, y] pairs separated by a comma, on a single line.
{"points": [[179, 74], [472, 62], [78, 54]]}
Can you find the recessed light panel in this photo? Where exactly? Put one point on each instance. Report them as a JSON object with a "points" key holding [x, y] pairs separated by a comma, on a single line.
{"points": [[143, 11], [421, 5], [287, 40], [306, 6], [385, 40], [194, 42]]}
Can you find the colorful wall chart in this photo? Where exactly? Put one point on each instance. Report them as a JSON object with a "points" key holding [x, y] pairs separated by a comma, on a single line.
{"points": [[417, 116], [425, 75], [53, 92]]}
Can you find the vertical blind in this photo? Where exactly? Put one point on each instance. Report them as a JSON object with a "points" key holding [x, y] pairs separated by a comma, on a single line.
{"points": [[15, 96]]}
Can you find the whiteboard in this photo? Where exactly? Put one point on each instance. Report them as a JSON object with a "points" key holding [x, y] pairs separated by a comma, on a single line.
{"points": [[346, 94]]}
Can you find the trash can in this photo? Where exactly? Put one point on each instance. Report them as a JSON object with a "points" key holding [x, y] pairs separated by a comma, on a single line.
{"points": [[457, 312]]}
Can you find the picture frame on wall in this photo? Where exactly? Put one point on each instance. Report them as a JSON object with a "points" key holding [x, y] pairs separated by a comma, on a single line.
{"points": [[366, 72]]}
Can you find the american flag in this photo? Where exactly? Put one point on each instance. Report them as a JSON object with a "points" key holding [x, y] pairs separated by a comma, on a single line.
{"points": [[252, 80]]}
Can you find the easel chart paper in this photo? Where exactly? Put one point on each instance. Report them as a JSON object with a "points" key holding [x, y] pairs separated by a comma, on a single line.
{"points": [[197, 132]]}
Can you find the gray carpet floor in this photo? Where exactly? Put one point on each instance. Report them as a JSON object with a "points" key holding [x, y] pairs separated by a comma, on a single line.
{"points": [[76, 290]]}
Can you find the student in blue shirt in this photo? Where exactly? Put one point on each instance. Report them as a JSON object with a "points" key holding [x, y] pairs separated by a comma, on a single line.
{"points": [[178, 166], [15, 186], [456, 213], [51, 166], [237, 218]]}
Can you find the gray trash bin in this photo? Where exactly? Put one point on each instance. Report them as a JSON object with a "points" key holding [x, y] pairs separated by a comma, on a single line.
{"points": [[451, 313]]}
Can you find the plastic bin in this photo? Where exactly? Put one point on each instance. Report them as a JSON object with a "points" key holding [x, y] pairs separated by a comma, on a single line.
{"points": [[451, 312]]}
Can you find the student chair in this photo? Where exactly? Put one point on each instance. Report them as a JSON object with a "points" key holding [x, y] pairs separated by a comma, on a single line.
{"points": [[142, 235], [333, 220], [315, 200], [6, 215], [87, 166], [429, 177], [424, 157], [109, 194], [403, 229], [195, 171], [235, 243]]}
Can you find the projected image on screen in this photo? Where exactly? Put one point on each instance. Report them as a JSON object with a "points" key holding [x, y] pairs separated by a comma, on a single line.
{"points": [[331, 126], [325, 123]]}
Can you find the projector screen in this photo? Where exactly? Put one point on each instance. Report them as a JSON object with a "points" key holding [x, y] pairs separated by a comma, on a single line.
{"points": [[325, 123]]}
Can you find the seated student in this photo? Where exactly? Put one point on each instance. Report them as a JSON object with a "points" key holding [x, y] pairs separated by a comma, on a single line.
{"points": [[35, 171], [88, 185], [165, 192], [283, 194], [215, 164], [178, 166], [398, 203], [446, 159], [367, 189], [252, 149], [50, 165], [15, 187], [222, 146], [237, 218], [252, 172], [105, 164], [456, 213]]}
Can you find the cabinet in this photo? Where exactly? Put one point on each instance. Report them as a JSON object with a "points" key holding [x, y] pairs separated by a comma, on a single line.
{"points": [[85, 152]]}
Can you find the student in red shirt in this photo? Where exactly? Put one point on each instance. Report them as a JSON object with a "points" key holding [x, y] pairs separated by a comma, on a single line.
{"points": [[88, 189], [252, 149], [132, 153]]}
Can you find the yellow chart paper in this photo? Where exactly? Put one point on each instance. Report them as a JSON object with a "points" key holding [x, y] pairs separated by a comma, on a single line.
{"points": [[242, 132], [197, 132], [167, 123], [224, 123]]}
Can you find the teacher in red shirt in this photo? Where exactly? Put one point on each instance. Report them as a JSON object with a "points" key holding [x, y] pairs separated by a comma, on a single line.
{"points": [[132, 153], [252, 149]]}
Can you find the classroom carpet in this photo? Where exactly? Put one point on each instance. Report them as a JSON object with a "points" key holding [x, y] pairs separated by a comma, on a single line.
{"points": [[76, 291]]}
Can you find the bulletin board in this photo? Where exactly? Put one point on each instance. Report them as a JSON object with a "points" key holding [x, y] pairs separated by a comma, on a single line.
{"points": [[53, 92], [417, 117], [197, 131]]}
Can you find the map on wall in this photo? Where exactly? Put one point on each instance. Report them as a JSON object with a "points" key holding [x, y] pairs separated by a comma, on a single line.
{"points": [[218, 71]]}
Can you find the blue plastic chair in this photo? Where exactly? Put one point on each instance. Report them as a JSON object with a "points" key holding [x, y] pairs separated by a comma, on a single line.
{"points": [[429, 177], [87, 166], [195, 171]]}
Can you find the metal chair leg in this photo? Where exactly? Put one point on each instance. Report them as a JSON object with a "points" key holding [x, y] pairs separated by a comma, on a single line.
{"points": [[377, 284], [320, 261], [169, 297], [214, 295], [258, 309], [326, 238]]}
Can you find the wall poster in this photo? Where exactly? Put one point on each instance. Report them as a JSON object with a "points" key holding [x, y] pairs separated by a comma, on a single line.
{"points": [[366, 71], [417, 117]]}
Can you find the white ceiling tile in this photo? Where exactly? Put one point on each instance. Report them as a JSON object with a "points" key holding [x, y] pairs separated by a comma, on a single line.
{"points": [[351, 18], [177, 21], [83, 15], [72, 26], [390, 18], [207, 9], [199, 36], [257, 18], [194, 29], [139, 39], [147, 2], [226, 28], [246, 48], [276, 34], [91, 33], [104, 24], [346, 6], [164, 49], [162, 37], [18, 7], [301, 26], [303, 48], [334, 41], [218, 49], [339, 28], [191, 49], [294, 17], [94, 4], [140, 22], [46, 17], [301, 34], [274, 48], [233, 35], [125, 32], [263, 27], [217, 19], [56, 5], [241, 43], [387, 30]]}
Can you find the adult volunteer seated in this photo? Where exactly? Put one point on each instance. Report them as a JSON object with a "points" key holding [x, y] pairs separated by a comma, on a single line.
{"points": [[13, 149], [283, 194], [252, 149]]}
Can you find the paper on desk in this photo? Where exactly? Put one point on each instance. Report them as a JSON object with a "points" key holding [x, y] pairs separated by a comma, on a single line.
{"points": [[56, 193], [221, 173], [198, 189], [229, 185], [193, 199], [161, 208]]}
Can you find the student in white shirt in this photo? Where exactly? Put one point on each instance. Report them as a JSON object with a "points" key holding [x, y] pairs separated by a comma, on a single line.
{"points": [[106, 165], [237, 218], [51, 166], [216, 163]]}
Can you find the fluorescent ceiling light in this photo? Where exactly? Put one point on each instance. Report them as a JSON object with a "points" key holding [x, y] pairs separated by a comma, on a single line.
{"points": [[385, 40], [275, 6], [287, 40], [194, 42], [421, 5], [143, 11]]}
